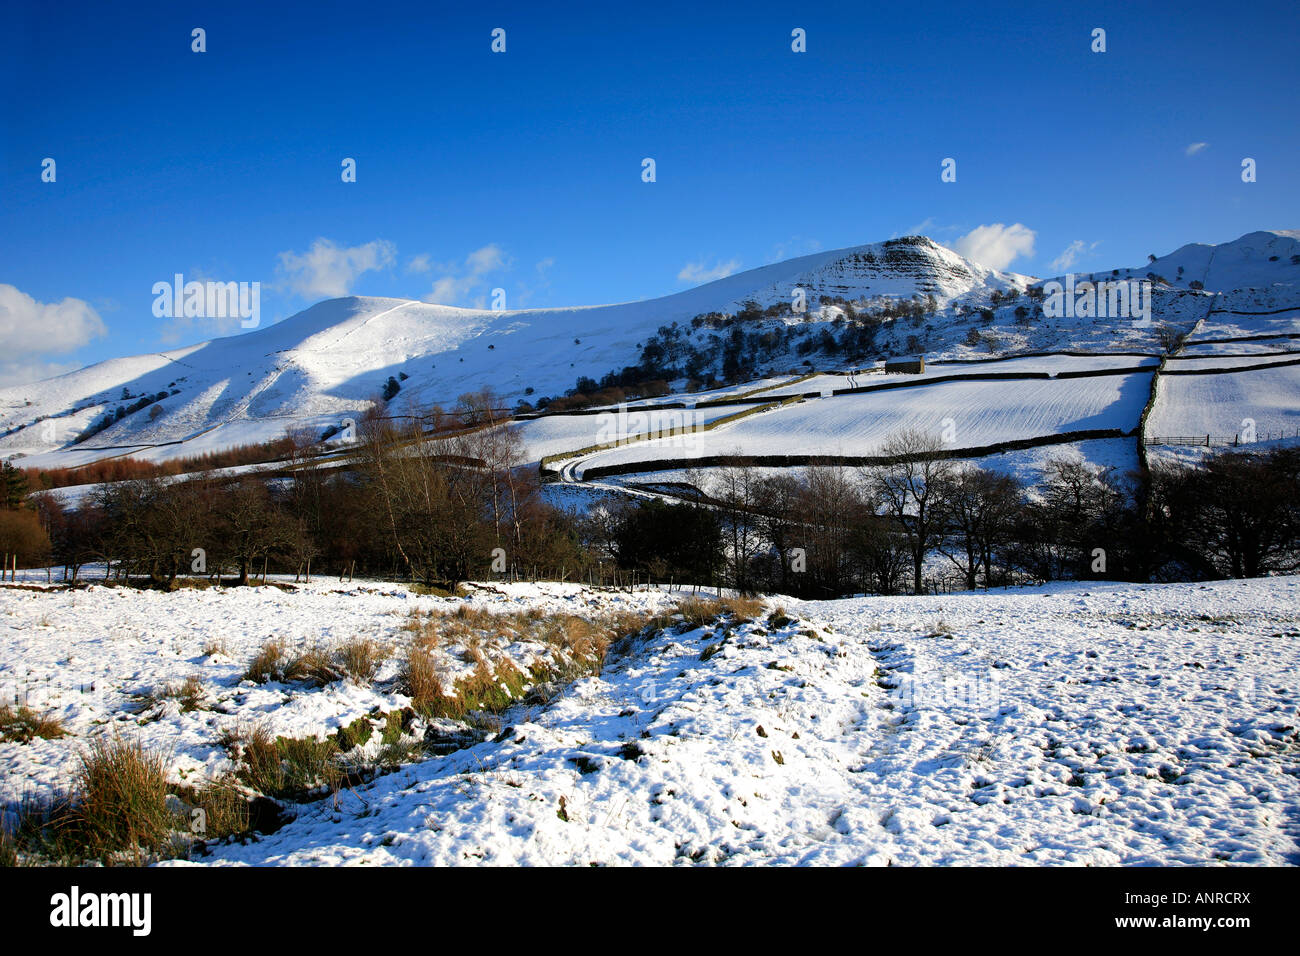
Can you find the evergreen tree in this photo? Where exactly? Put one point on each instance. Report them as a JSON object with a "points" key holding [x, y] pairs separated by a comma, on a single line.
{"points": [[13, 486]]}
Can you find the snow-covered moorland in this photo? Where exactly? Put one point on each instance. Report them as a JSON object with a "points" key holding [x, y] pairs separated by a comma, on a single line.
{"points": [[1074, 723]]}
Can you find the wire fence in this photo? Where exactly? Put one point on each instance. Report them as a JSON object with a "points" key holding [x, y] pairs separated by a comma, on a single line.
{"points": [[1221, 441]]}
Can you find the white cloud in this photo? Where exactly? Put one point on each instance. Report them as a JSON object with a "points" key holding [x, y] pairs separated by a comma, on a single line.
{"points": [[1072, 254], [419, 263], [996, 246], [30, 330], [485, 260], [328, 270], [459, 280], [35, 370], [698, 272], [525, 292], [1194, 148], [191, 328]]}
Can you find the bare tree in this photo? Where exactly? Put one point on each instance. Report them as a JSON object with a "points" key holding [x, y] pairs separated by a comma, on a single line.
{"points": [[251, 525], [829, 507], [979, 511], [913, 489], [1238, 515], [776, 499], [489, 440], [735, 490], [434, 498]]}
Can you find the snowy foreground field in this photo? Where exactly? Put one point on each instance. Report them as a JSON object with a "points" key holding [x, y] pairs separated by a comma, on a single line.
{"points": [[1074, 724]]}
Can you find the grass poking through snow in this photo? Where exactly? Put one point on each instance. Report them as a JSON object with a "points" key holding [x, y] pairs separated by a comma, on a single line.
{"points": [[22, 725], [358, 660]]}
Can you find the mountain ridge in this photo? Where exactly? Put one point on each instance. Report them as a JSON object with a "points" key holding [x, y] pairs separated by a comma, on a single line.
{"points": [[328, 361]]}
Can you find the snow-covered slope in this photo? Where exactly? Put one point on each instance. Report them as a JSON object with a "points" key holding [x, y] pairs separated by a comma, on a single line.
{"points": [[1250, 262], [973, 413], [1097, 723], [325, 364], [1260, 401]]}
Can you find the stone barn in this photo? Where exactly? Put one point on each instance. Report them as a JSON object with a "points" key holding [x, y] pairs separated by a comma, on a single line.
{"points": [[909, 365]]}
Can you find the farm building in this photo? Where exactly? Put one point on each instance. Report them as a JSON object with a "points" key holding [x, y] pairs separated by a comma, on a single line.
{"points": [[910, 365]]}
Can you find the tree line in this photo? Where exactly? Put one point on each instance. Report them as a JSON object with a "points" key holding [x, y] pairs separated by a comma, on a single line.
{"points": [[926, 521], [441, 497], [433, 497]]}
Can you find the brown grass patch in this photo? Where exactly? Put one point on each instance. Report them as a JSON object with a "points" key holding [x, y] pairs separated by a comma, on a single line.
{"points": [[579, 645], [700, 611], [225, 809], [419, 679], [268, 664], [22, 725], [189, 693], [315, 666], [122, 802], [286, 766], [121, 811], [360, 658]]}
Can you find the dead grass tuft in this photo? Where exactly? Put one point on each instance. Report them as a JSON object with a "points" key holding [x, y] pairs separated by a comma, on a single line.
{"points": [[122, 802], [579, 645], [189, 693], [22, 725], [700, 611], [268, 665], [121, 811], [286, 766], [419, 680], [778, 619], [315, 666], [225, 809], [360, 658]]}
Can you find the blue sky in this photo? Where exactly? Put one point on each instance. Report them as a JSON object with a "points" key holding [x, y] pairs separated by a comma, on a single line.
{"points": [[522, 170]]}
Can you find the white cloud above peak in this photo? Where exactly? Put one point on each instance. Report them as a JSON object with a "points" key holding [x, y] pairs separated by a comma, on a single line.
{"points": [[328, 270], [997, 245], [1072, 254], [460, 280], [696, 272]]}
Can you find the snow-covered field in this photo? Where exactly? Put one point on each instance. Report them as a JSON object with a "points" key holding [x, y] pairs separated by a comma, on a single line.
{"points": [[1029, 465], [1189, 405], [981, 413], [1227, 325], [1195, 360], [1278, 348], [93, 656], [1051, 364], [555, 434], [1076, 723]]}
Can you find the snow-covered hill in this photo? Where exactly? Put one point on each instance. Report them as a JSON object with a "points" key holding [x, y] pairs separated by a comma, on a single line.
{"points": [[1077, 723], [975, 413], [325, 364]]}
